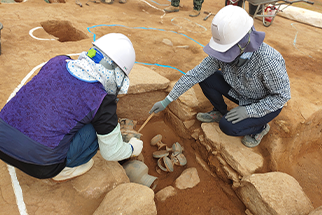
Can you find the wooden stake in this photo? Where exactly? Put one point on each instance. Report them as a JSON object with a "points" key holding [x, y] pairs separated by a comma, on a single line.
{"points": [[146, 121]]}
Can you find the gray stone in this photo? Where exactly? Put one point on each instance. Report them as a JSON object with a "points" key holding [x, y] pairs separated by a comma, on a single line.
{"points": [[128, 199]]}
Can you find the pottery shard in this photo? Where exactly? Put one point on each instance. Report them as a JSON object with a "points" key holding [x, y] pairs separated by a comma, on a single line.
{"points": [[273, 193], [165, 193], [188, 179], [128, 199]]}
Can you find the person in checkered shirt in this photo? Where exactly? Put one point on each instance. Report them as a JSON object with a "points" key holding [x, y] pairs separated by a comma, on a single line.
{"points": [[244, 69]]}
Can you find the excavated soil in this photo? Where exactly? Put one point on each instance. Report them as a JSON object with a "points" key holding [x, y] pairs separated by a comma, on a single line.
{"points": [[70, 29]]}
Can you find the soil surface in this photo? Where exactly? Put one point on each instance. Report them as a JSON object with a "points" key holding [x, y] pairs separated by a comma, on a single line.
{"points": [[35, 31]]}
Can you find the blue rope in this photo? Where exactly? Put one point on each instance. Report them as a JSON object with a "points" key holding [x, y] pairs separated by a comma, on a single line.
{"points": [[157, 29], [294, 41], [160, 65]]}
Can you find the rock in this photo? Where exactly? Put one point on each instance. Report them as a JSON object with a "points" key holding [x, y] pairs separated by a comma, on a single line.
{"points": [[128, 199], [143, 79], [243, 160], [189, 123], [165, 193], [188, 179], [182, 111], [273, 193], [302, 15], [103, 177], [317, 211], [167, 42], [178, 125]]}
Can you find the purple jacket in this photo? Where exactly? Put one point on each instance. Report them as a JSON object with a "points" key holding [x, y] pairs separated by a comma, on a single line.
{"points": [[37, 125]]}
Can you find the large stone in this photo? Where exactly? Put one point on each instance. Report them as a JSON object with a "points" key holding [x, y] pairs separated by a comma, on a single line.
{"points": [[165, 193], [243, 160], [188, 179], [143, 79], [128, 199], [182, 111], [177, 124], [273, 193], [302, 15], [103, 177], [317, 211]]}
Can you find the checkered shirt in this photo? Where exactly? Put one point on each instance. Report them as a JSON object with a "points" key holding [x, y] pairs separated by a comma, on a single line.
{"points": [[261, 84]]}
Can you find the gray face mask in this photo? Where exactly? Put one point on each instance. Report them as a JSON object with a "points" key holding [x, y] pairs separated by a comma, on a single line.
{"points": [[107, 65], [238, 61]]}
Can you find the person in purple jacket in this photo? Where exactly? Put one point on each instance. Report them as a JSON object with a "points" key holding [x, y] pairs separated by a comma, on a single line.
{"points": [[55, 124]]}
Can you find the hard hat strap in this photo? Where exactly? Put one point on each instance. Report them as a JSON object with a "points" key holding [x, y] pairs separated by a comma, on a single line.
{"points": [[243, 49]]}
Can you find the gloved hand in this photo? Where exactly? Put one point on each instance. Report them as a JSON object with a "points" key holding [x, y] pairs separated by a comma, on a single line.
{"points": [[160, 106], [237, 114], [137, 146]]}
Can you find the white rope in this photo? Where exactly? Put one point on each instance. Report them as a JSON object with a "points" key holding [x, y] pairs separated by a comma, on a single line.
{"points": [[37, 38], [164, 13]]}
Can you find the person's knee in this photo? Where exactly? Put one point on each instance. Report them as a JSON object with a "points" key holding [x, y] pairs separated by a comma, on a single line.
{"points": [[89, 129], [227, 127]]}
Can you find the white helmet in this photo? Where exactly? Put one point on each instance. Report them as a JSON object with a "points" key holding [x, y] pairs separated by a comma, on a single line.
{"points": [[119, 48], [228, 27]]}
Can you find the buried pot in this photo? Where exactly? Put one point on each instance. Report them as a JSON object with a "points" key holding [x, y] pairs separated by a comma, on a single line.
{"points": [[137, 172]]}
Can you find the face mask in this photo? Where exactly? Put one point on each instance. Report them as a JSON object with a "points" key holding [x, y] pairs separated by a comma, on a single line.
{"points": [[238, 61]]}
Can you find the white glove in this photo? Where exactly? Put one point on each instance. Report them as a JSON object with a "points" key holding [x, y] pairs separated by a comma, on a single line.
{"points": [[137, 146]]}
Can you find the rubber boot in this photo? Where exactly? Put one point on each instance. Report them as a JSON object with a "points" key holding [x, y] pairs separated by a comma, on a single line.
{"points": [[72, 172]]}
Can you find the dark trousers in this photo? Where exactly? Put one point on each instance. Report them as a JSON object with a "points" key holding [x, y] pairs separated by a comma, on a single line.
{"points": [[214, 88], [196, 4], [83, 146]]}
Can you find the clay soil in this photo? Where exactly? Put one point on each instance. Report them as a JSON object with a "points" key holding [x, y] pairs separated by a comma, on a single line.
{"points": [[72, 28]]}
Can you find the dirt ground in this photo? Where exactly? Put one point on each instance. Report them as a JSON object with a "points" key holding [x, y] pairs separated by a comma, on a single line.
{"points": [[23, 48]]}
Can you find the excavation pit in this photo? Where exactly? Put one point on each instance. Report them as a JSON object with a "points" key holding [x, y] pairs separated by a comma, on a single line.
{"points": [[63, 30], [212, 189]]}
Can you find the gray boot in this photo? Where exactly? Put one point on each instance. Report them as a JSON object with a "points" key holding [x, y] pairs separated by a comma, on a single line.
{"points": [[211, 116], [255, 139]]}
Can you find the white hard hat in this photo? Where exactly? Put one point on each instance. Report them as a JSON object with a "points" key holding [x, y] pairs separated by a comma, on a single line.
{"points": [[119, 48], [228, 27]]}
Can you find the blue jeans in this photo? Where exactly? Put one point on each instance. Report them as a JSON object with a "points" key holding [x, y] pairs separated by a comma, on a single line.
{"points": [[83, 146], [214, 88]]}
